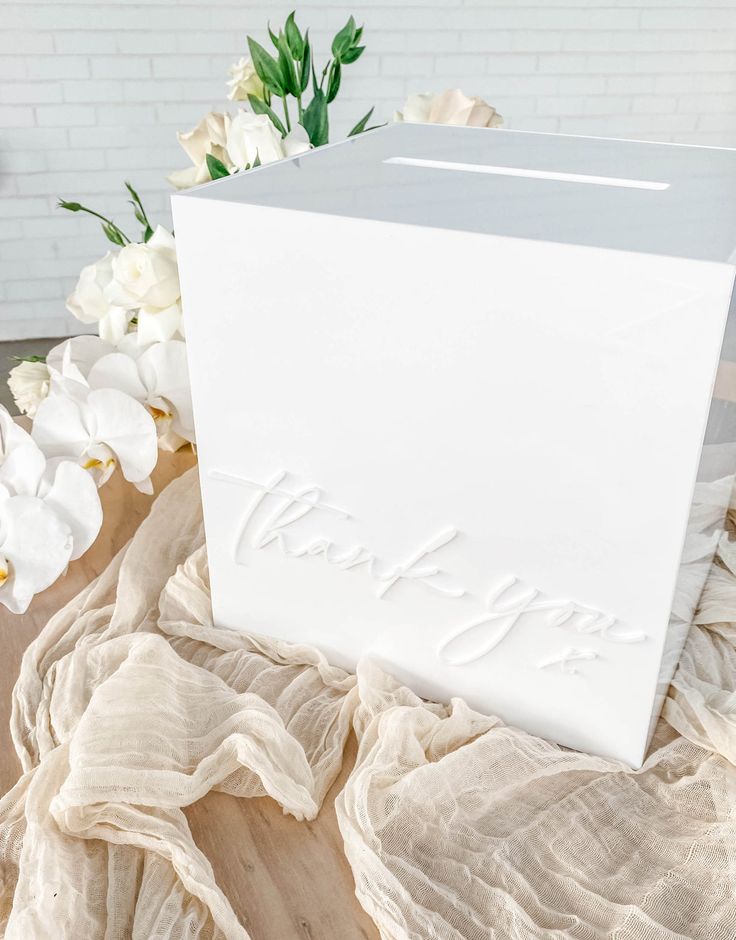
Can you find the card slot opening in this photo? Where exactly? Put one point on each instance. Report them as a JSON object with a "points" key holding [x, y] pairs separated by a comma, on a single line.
{"points": [[528, 174]]}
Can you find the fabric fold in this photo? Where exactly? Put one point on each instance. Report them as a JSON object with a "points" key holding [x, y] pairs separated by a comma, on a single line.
{"points": [[131, 705]]}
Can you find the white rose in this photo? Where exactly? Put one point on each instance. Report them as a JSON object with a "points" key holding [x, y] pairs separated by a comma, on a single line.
{"points": [[29, 385], [244, 81], [450, 107], [90, 303], [252, 136], [146, 274], [209, 136]]}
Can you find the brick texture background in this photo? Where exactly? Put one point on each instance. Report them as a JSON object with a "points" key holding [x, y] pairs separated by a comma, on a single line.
{"points": [[92, 93]]}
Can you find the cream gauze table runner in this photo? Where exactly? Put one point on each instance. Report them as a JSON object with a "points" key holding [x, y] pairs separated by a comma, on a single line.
{"points": [[131, 705]]}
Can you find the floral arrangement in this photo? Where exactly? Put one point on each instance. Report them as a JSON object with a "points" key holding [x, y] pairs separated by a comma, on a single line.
{"points": [[114, 400]]}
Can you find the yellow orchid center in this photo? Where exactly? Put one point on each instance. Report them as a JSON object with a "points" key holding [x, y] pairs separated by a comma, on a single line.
{"points": [[93, 463], [159, 414], [4, 574]]}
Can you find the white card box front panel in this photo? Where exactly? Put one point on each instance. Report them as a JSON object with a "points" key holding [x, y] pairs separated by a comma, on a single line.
{"points": [[466, 455]]}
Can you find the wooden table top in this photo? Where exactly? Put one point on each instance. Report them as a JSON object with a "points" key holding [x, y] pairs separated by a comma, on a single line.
{"points": [[285, 879]]}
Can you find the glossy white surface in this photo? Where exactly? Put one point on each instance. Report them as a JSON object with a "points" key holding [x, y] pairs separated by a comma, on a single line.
{"points": [[692, 218], [468, 455]]}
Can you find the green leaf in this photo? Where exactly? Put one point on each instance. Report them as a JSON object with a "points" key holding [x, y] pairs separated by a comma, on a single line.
{"points": [[257, 161], [216, 167], [139, 212], [71, 206], [266, 67], [274, 37], [287, 68], [306, 64], [294, 37], [360, 126], [113, 233], [333, 83], [344, 39], [314, 120], [358, 34], [28, 358], [260, 107], [352, 55]]}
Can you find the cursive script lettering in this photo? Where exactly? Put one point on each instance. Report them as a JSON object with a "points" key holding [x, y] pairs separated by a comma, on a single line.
{"points": [[293, 506], [273, 516], [504, 610]]}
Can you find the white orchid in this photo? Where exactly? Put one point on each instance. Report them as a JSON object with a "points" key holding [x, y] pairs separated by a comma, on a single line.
{"points": [[208, 137], [449, 107], [156, 376], [50, 514], [252, 137], [29, 385], [98, 428]]}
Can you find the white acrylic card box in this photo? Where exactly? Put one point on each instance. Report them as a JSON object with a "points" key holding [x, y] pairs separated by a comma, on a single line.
{"points": [[451, 389]]}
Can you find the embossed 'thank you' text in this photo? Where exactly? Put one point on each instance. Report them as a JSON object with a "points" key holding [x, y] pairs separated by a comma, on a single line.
{"points": [[505, 605]]}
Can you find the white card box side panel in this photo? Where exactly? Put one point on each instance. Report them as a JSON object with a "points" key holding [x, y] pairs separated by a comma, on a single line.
{"points": [[531, 413]]}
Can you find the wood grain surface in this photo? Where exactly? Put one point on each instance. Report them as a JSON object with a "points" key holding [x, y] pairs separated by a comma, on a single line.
{"points": [[286, 880]]}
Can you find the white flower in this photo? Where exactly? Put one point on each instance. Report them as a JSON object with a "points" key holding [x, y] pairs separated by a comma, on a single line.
{"points": [[146, 274], [157, 325], [244, 81], [90, 301], [98, 428], [157, 377], [50, 514], [449, 107], [252, 136], [29, 385], [209, 136]]}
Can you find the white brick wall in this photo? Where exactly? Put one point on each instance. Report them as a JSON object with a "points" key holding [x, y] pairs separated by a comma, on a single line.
{"points": [[92, 92]]}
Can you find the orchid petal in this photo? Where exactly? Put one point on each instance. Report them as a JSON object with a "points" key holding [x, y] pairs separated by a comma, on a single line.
{"points": [[165, 372], [37, 544], [12, 435], [22, 469], [84, 351], [119, 371], [128, 429], [71, 492], [171, 442], [144, 486], [59, 428]]}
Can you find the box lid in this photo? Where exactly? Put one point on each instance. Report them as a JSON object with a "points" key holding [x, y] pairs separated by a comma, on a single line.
{"points": [[665, 199]]}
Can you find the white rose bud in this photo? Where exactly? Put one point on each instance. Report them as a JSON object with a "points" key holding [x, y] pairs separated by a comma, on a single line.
{"points": [[29, 385], [88, 302], [209, 136], [244, 81], [253, 136], [450, 107]]}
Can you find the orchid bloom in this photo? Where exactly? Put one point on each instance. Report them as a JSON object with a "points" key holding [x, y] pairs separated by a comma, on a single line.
{"points": [[50, 514], [99, 428], [156, 376]]}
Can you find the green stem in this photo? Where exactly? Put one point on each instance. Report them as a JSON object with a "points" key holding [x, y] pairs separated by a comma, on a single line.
{"points": [[102, 218], [286, 113], [300, 109]]}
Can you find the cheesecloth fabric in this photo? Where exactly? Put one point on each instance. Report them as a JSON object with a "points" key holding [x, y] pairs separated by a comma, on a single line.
{"points": [[131, 705]]}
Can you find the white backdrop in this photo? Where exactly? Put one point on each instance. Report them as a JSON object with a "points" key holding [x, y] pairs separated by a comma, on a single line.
{"points": [[93, 92]]}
